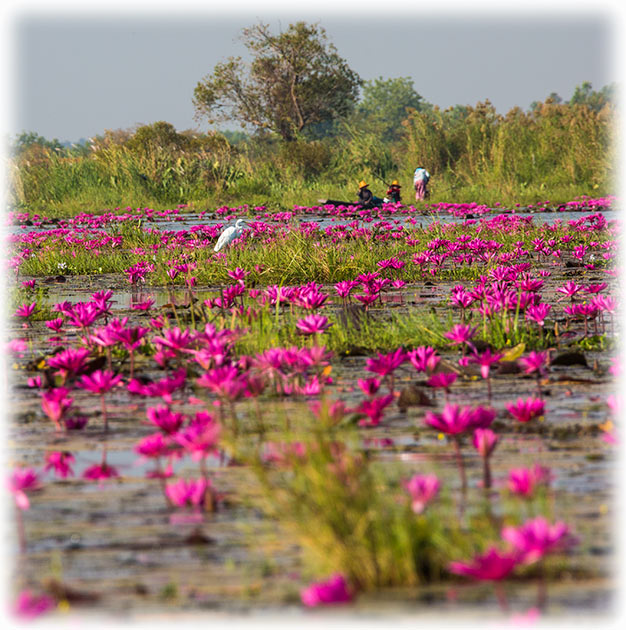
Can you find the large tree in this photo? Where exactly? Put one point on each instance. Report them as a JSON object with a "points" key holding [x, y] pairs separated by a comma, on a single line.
{"points": [[386, 103], [296, 79]]}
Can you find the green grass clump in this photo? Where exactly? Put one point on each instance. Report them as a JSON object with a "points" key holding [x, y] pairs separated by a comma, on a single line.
{"points": [[349, 517]]}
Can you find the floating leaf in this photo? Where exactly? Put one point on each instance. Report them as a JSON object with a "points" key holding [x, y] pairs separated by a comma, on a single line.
{"points": [[514, 353]]}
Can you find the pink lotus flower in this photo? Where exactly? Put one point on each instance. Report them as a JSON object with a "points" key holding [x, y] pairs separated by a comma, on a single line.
{"points": [[65, 308], [536, 538], [102, 301], [535, 362], [100, 381], [483, 417], [29, 605], [162, 417], [460, 334], [570, 289], [175, 338], [146, 305], [424, 358], [131, 338], [192, 492], [61, 462], [26, 310], [596, 288], [538, 313], [99, 472], [224, 381], [153, 446], [385, 364], [484, 441], [17, 347], [82, 315], [164, 387], [605, 303], [55, 325], [239, 274], [335, 590], [313, 387], [55, 403], [441, 380], [454, 419], [461, 298], [35, 381], [21, 481], [526, 410], [373, 409], [523, 481], [345, 288], [69, 362], [201, 437], [369, 386], [493, 565], [423, 489], [485, 360], [310, 298], [366, 298], [313, 324]]}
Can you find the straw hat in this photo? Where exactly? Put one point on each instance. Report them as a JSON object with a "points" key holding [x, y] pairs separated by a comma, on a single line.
{"points": [[395, 183], [362, 184]]}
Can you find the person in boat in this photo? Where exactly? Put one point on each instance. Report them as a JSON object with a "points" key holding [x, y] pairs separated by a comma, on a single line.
{"points": [[365, 198], [393, 194], [421, 178], [365, 195]]}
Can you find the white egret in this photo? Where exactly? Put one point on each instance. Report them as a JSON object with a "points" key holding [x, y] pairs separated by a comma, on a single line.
{"points": [[229, 235]]}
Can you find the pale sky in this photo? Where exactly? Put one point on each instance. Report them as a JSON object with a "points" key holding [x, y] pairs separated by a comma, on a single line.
{"points": [[73, 74]]}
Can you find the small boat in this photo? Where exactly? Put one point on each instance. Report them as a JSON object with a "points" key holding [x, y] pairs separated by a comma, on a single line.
{"points": [[334, 202]]}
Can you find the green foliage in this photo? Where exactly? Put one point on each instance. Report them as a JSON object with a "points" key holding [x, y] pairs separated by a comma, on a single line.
{"points": [[585, 95], [304, 160], [149, 138], [385, 105], [348, 517], [554, 147], [295, 80], [557, 151], [365, 155], [26, 140], [594, 343], [235, 137]]}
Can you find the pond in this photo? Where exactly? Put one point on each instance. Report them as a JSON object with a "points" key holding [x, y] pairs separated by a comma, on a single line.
{"points": [[116, 546]]}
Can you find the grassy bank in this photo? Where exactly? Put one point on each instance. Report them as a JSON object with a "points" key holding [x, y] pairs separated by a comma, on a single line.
{"points": [[556, 152]]}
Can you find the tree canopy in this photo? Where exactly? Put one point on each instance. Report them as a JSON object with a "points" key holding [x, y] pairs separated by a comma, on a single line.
{"points": [[584, 95], [385, 104], [296, 80]]}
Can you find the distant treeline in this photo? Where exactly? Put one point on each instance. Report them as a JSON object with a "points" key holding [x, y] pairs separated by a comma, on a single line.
{"points": [[556, 150]]}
